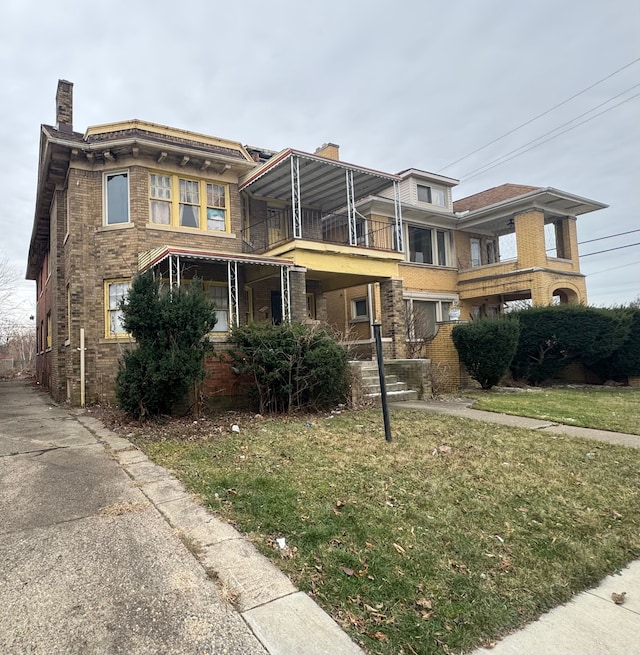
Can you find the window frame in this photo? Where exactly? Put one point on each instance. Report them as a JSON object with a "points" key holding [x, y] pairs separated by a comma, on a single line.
{"points": [[473, 241], [437, 254], [108, 310], [355, 316], [432, 193], [439, 303], [202, 205], [207, 284], [105, 187]]}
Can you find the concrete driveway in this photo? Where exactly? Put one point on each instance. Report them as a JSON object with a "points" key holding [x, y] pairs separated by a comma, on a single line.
{"points": [[87, 564]]}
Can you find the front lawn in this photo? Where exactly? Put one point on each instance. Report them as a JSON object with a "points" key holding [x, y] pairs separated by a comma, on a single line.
{"points": [[452, 535], [603, 408]]}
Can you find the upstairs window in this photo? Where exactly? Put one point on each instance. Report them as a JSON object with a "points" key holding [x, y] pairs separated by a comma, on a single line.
{"points": [[182, 202], [116, 198], [432, 195], [428, 246]]}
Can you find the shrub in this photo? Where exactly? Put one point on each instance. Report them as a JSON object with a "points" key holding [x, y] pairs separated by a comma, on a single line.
{"points": [[552, 337], [625, 360], [486, 348], [169, 328], [294, 366]]}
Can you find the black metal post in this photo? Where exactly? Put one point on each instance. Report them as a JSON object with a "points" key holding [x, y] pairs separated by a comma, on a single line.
{"points": [[383, 386]]}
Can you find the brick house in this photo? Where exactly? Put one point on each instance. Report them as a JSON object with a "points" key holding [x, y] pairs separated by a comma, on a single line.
{"points": [[274, 236]]}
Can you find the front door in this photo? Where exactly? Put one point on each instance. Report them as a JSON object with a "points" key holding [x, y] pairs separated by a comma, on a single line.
{"points": [[275, 225]]}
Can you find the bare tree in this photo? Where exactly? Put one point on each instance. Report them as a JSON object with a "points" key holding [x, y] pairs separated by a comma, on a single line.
{"points": [[8, 302]]}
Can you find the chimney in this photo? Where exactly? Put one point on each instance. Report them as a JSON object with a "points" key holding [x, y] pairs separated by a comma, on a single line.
{"points": [[329, 150], [64, 106]]}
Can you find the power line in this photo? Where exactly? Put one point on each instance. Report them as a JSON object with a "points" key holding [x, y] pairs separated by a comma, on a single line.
{"points": [[573, 127], [620, 234], [615, 268], [599, 252], [555, 129], [544, 113]]}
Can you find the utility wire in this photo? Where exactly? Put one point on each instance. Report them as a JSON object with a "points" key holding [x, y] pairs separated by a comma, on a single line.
{"points": [[573, 127], [610, 236], [599, 252], [544, 113], [615, 268], [555, 129]]}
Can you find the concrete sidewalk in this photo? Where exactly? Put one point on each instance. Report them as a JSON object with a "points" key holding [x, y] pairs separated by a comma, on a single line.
{"points": [[591, 623], [102, 551]]}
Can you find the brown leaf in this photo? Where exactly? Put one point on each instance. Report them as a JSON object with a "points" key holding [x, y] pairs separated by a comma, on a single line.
{"points": [[424, 602], [399, 548], [444, 448], [380, 636], [347, 571], [426, 615]]}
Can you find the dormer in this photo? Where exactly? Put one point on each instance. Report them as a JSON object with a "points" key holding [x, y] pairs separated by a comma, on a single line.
{"points": [[424, 190]]}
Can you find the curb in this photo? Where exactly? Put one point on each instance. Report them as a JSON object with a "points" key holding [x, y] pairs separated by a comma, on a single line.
{"points": [[285, 620]]}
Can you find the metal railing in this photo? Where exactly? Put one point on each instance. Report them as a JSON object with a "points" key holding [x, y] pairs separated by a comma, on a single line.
{"points": [[324, 228]]}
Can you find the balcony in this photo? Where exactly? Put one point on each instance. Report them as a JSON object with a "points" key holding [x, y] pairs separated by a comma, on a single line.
{"points": [[260, 237]]}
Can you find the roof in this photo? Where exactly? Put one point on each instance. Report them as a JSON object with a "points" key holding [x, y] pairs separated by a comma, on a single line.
{"points": [[492, 196], [322, 180]]}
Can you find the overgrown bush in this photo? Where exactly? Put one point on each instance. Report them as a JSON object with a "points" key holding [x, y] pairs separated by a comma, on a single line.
{"points": [[625, 360], [294, 366], [486, 348], [553, 337], [168, 326]]}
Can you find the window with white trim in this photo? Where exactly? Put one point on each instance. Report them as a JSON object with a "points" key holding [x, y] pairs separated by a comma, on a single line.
{"points": [[428, 246], [422, 315], [115, 291], [432, 194], [476, 258], [188, 203], [218, 293], [116, 196]]}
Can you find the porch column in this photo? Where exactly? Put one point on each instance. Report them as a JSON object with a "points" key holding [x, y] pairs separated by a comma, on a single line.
{"points": [[393, 319], [232, 277], [351, 209], [285, 293], [295, 198], [298, 293], [398, 216]]}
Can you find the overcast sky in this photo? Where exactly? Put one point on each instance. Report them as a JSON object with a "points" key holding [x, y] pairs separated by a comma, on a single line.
{"points": [[403, 84]]}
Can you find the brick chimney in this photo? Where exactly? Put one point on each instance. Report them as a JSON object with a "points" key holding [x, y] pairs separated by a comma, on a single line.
{"points": [[64, 106], [329, 150]]}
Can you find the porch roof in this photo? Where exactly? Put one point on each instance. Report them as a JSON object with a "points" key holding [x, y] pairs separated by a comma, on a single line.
{"points": [[322, 180], [155, 256]]}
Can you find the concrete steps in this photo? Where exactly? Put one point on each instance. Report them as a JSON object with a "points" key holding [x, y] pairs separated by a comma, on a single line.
{"points": [[396, 390]]}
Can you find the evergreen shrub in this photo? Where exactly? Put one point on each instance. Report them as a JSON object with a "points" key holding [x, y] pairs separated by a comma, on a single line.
{"points": [[486, 348]]}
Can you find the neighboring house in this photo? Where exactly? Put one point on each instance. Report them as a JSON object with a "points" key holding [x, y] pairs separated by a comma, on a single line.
{"points": [[274, 236]]}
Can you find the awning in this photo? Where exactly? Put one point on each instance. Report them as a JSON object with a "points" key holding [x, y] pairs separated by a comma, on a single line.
{"points": [[322, 180], [150, 258]]}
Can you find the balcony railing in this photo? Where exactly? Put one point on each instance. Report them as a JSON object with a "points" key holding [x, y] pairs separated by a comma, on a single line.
{"points": [[323, 228]]}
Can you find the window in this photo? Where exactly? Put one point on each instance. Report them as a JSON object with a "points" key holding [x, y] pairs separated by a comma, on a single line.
{"points": [[189, 203], [311, 306], [49, 340], [219, 294], [216, 207], [422, 316], [160, 204], [117, 198], [432, 195], [115, 293], [475, 253], [359, 309], [428, 246], [491, 252]]}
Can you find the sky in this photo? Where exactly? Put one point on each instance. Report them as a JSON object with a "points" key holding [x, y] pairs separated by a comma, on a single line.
{"points": [[402, 84]]}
